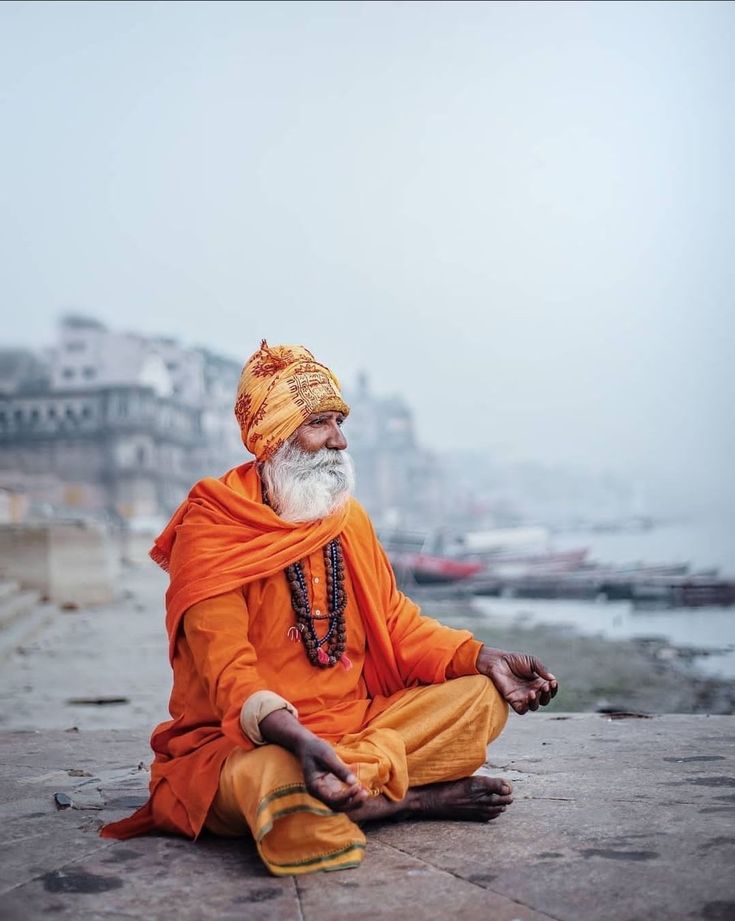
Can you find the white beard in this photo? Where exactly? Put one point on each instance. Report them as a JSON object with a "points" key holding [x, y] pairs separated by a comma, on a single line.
{"points": [[304, 486]]}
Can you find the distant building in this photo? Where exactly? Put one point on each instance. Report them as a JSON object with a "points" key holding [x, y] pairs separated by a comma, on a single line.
{"points": [[88, 354], [123, 450], [123, 423], [21, 369]]}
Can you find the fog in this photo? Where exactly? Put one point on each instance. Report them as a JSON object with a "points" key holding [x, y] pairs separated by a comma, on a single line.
{"points": [[518, 216]]}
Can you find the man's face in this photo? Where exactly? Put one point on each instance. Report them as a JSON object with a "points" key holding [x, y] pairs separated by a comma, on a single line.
{"points": [[311, 475], [321, 430]]}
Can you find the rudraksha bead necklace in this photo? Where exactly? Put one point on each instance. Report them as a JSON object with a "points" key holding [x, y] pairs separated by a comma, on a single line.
{"points": [[327, 651], [330, 649]]}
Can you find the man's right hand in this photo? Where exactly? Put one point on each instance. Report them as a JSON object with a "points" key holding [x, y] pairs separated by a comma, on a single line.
{"points": [[326, 776]]}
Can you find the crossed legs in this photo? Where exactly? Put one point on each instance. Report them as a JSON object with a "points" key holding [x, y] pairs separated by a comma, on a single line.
{"points": [[416, 756]]}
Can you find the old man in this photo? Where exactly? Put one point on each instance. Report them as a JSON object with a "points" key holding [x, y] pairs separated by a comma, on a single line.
{"points": [[310, 696]]}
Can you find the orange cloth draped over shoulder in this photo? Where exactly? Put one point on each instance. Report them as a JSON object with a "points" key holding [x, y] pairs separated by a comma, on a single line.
{"points": [[222, 538]]}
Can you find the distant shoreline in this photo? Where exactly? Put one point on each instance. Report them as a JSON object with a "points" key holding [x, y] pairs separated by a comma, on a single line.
{"points": [[595, 672]]}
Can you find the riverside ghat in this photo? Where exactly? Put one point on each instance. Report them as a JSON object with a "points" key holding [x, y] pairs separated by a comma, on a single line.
{"points": [[620, 815]]}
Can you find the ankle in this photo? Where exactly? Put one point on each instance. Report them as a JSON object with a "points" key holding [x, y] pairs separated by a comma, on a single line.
{"points": [[415, 802]]}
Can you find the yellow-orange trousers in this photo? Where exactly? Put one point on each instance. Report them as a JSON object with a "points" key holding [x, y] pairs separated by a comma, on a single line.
{"points": [[418, 736]]}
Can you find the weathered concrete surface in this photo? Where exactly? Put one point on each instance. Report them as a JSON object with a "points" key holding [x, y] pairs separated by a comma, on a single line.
{"points": [[613, 820], [116, 650]]}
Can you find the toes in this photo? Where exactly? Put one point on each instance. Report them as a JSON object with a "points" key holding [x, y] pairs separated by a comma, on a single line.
{"points": [[488, 785], [490, 814], [494, 792]]}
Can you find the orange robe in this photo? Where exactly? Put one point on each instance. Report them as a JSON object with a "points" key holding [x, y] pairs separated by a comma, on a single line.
{"points": [[226, 551]]}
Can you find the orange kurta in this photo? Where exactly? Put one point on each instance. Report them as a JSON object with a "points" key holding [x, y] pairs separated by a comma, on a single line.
{"points": [[225, 548]]}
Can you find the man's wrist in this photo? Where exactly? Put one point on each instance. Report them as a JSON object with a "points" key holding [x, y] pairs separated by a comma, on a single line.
{"points": [[486, 659], [257, 708], [282, 728]]}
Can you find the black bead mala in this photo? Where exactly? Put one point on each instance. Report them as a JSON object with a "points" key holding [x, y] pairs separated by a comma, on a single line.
{"points": [[327, 651]]}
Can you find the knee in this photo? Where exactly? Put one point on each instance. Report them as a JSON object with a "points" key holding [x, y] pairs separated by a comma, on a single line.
{"points": [[489, 700], [480, 686], [481, 690], [499, 710], [473, 687]]}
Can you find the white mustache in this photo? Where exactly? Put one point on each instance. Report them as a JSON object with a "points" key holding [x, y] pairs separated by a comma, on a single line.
{"points": [[325, 457], [305, 486]]}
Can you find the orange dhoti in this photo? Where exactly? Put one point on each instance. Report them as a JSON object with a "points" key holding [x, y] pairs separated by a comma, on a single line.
{"points": [[418, 736]]}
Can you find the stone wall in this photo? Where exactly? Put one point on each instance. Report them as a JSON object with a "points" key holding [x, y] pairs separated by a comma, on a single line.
{"points": [[69, 563]]}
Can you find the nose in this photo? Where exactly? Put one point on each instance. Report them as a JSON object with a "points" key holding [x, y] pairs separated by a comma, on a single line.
{"points": [[336, 439]]}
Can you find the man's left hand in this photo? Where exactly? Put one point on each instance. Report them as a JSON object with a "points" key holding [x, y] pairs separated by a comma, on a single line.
{"points": [[523, 681]]}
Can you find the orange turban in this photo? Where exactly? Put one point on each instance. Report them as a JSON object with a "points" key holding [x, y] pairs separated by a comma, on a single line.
{"points": [[280, 386]]}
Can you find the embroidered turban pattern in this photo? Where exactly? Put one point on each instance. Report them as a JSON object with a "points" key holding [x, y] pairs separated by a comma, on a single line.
{"points": [[280, 386]]}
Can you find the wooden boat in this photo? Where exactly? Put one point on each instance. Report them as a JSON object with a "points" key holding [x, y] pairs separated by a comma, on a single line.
{"points": [[428, 569]]}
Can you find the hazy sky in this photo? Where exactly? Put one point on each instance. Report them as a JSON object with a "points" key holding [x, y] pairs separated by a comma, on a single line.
{"points": [[519, 215]]}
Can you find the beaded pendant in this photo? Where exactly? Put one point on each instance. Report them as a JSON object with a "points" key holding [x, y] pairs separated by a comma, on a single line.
{"points": [[327, 651]]}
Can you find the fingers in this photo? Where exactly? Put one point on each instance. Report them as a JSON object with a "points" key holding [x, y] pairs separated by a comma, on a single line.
{"points": [[523, 700], [330, 780], [543, 690], [351, 799], [532, 685], [334, 793], [357, 797], [541, 669], [551, 688], [329, 759], [519, 704], [527, 700]]}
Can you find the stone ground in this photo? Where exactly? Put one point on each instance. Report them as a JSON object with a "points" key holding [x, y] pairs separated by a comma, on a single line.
{"points": [[613, 820], [112, 652]]}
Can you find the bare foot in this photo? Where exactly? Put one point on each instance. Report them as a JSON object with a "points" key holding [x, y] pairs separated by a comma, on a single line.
{"points": [[473, 799]]}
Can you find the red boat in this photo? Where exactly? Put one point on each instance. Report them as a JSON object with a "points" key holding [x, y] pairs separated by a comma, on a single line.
{"points": [[426, 569]]}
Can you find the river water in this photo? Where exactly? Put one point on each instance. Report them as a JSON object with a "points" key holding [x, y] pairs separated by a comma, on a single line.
{"points": [[702, 544]]}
